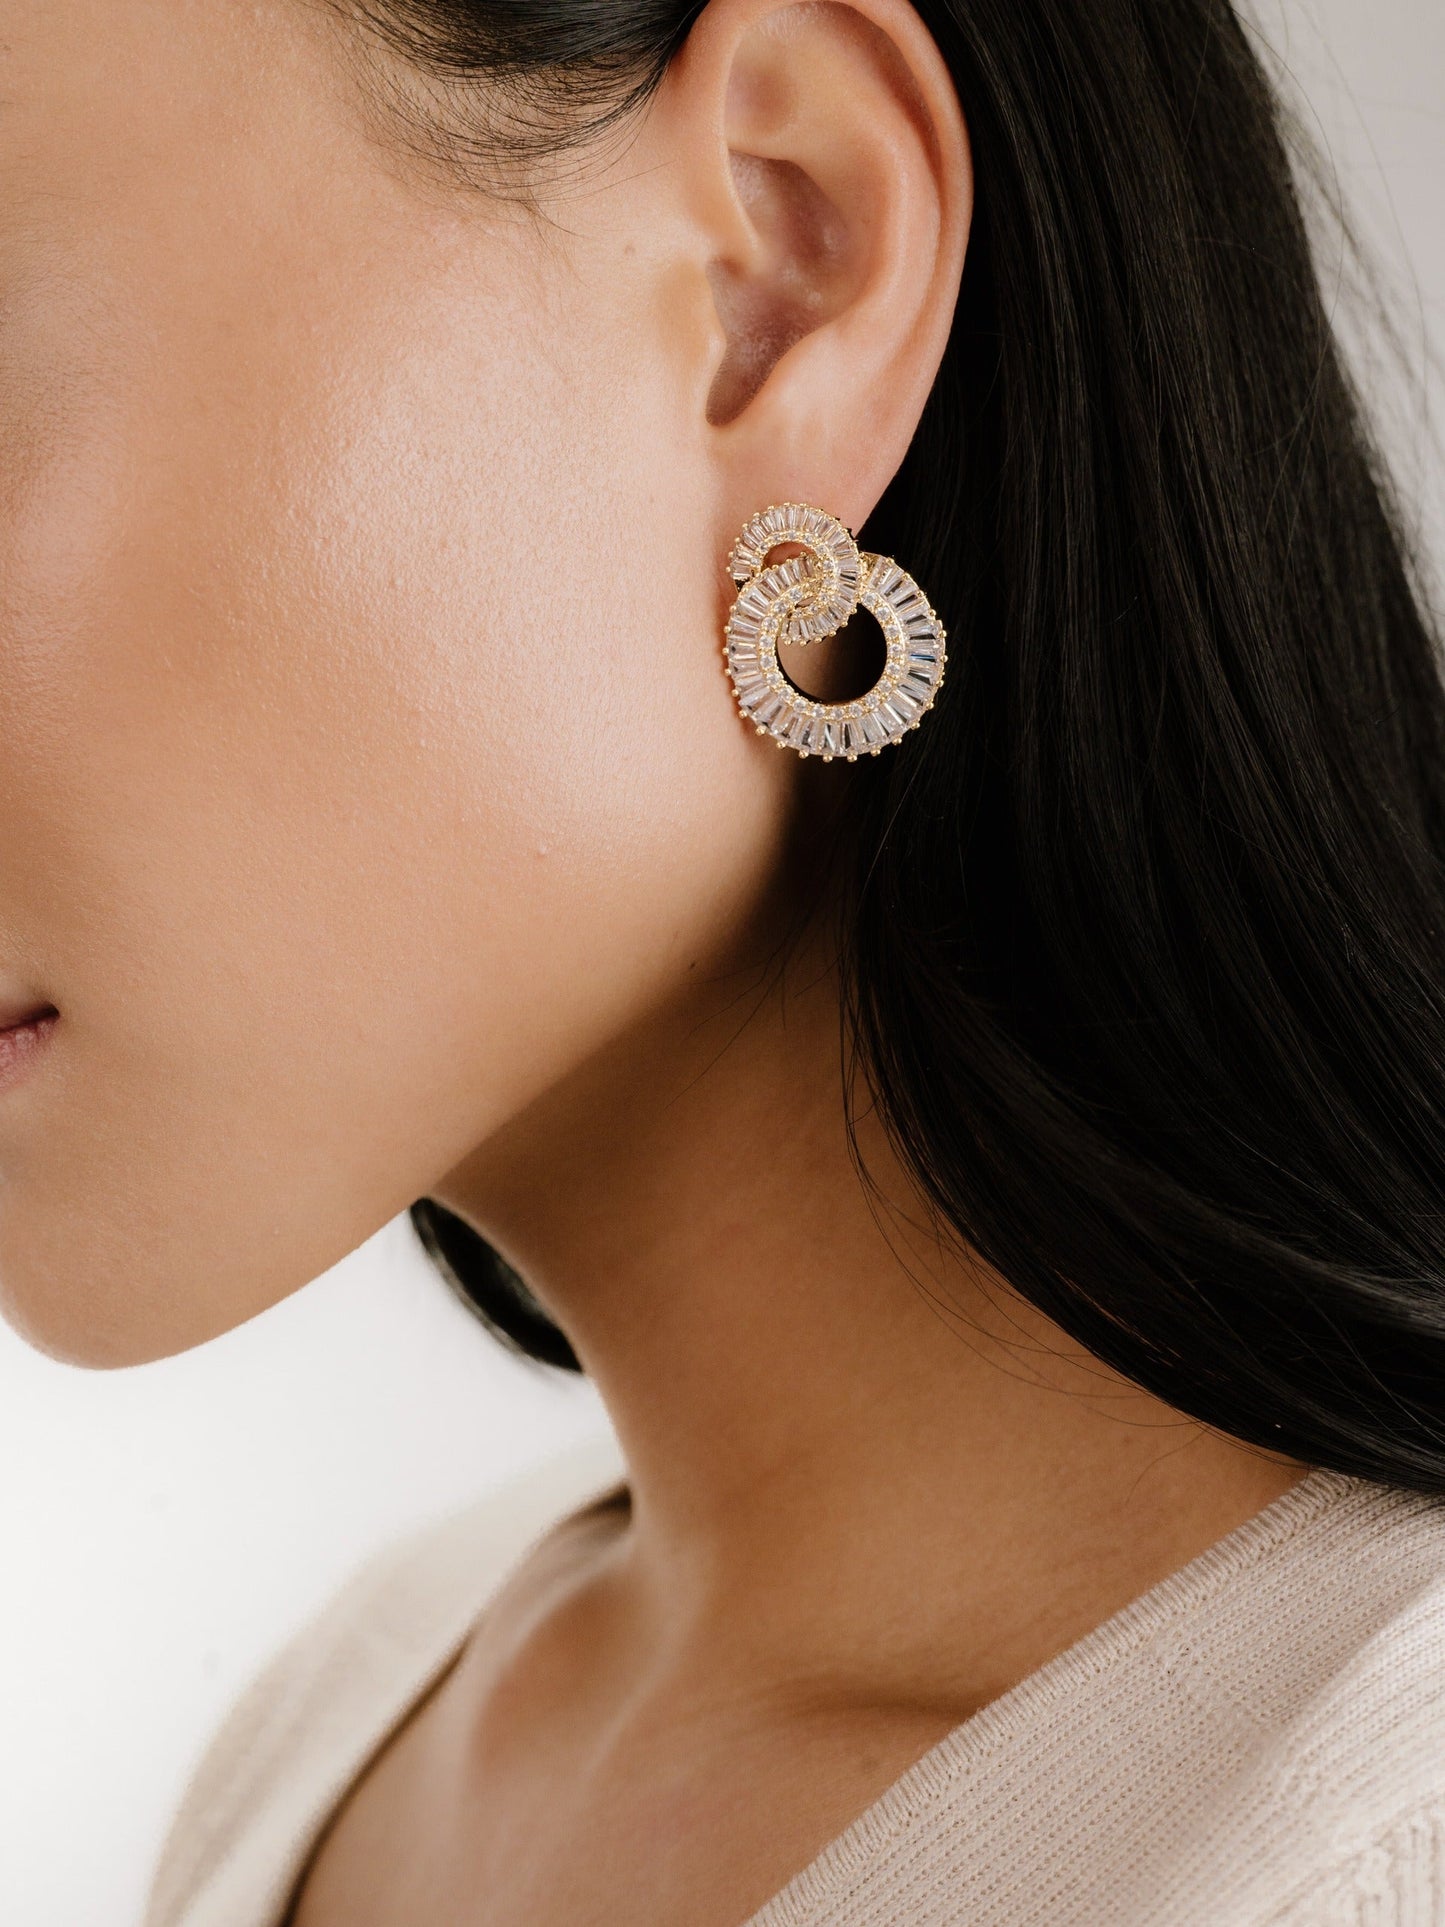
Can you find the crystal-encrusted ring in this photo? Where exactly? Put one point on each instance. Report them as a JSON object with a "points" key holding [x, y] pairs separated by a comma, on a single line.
{"points": [[773, 602], [839, 565]]}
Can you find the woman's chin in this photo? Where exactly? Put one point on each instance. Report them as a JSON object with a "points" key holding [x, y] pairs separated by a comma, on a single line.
{"points": [[102, 1316]]}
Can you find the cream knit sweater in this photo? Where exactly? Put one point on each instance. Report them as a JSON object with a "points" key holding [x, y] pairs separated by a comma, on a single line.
{"points": [[1259, 1739]]}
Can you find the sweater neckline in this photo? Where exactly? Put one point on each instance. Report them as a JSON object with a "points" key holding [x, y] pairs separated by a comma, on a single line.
{"points": [[844, 1860]]}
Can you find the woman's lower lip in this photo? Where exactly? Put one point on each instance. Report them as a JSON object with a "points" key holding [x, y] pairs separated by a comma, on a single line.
{"points": [[21, 1044]]}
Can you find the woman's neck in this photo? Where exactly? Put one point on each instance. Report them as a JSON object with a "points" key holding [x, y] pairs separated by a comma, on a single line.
{"points": [[854, 1456]]}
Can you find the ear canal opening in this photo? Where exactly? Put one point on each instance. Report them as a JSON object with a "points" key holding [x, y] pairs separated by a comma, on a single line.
{"points": [[765, 314], [757, 341]]}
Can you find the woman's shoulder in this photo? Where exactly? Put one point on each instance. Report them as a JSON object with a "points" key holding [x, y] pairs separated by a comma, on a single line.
{"points": [[1304, 1692], [1356, 1769], [1259, 1739], [299, 1735]]}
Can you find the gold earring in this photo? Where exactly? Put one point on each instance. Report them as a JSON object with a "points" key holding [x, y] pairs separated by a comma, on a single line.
{"points": [[811, 596]]}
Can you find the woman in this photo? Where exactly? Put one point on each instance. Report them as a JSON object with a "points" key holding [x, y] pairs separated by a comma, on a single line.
{"points": [[990, 1164]]}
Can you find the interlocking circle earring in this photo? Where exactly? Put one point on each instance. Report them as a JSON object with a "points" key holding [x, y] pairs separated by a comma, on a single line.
{"points": [[811, 596]]}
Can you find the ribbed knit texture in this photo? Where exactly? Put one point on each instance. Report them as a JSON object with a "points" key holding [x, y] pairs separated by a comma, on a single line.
{"points": [[1259, 1741]]}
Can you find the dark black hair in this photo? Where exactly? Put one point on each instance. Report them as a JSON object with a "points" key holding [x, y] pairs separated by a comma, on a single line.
{"points": [[1144, 932]]}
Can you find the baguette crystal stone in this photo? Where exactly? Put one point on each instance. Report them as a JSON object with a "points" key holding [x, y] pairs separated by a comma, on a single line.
{"points": [[808, 597]]}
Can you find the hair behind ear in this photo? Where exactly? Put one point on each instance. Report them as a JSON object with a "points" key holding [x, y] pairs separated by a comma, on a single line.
{"points": [[488, 1286]]}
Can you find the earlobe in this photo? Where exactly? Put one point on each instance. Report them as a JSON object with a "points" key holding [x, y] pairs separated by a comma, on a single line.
{"points": [[840, 242]]}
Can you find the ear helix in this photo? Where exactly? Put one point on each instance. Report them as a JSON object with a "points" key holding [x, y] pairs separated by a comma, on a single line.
{"points": [[811, 596]]}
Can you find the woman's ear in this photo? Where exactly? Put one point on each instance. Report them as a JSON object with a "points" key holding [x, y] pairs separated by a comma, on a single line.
{"points": [[827, 156]]}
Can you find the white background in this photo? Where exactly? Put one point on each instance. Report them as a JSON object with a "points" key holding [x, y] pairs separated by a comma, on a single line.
{"points": [[162, 1529]]}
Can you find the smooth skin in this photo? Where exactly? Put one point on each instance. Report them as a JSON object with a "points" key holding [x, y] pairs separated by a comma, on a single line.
{"points": [[378, 820]]}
